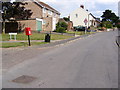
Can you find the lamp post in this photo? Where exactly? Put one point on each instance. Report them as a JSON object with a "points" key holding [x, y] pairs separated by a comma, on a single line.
{"points": [[89, 21], [85, 21]]}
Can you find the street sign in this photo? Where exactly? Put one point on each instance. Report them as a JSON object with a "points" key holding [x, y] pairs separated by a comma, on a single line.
{"points": [[85, 21]]}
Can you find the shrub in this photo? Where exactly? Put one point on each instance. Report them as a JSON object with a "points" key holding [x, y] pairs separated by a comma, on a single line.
{"points": [[61, 27], [61, 30], [118, 25], [106, 24]]}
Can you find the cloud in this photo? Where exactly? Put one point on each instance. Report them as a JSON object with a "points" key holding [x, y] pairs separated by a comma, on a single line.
{"points": [[96, 7], [106, 1], [48, 1], [97, 13]]}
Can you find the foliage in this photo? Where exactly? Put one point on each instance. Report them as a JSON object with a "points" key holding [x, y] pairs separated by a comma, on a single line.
{"points": [[15, 10], [61, 27], [108, 15], [118, 25], [106, 24], [60, 30], [66, 19]]}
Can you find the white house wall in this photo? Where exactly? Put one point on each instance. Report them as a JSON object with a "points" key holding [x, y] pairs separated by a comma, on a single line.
{"points": [[79, 21], [91, 18]]}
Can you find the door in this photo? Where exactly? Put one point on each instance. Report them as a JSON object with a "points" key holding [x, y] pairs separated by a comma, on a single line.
{"points": [[39, 25]]}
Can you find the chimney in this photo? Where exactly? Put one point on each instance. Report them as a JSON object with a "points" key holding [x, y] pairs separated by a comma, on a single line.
{"points": [[82, 6]]}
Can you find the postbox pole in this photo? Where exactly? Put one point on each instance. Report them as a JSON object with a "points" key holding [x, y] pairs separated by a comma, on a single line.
{"points": [[29, 40]]}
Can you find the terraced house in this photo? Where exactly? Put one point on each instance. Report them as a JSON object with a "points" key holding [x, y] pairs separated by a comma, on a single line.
{"points": [[44, 17]]}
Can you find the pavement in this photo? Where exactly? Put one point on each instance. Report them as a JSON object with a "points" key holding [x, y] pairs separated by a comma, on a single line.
{"points": [[74, 64]]}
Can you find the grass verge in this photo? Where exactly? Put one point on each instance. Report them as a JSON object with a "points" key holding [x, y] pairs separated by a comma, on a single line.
{"points": [[18, 44], [80, 32], [35, 36]]}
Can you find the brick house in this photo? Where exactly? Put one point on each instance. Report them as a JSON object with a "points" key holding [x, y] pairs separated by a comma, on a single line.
{"points": [[44, 17]]}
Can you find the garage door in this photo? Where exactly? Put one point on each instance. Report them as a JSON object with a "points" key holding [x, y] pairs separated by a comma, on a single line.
{"points": [[39, 25]]}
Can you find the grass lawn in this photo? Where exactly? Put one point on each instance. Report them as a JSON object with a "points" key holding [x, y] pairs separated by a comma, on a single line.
{"points": [[35, 36], [79, 32], [18, 44]]}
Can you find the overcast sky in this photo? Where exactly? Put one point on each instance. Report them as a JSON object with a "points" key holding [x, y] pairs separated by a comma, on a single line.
{"points": [[96, 7]]}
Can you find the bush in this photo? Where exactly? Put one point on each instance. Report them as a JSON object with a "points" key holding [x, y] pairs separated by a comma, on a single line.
{"points": [[118, 25], [61, 27], [106, 24], [61, 30]]}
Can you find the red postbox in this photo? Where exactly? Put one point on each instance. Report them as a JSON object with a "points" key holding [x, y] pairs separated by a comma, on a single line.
{"points": [[28, 31]]}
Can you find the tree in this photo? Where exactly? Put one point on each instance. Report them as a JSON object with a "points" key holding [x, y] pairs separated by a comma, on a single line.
{"points": [[118, 24], [108, 15], [66, 19], [14, 11]]}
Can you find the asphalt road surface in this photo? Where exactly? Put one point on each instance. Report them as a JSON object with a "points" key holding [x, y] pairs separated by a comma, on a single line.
{"points": [[89, 62]]}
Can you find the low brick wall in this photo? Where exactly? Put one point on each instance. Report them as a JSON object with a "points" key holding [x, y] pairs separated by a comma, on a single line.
{"points": [[27, 23]]}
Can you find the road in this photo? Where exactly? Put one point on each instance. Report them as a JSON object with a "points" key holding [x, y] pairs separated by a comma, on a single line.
{"points": [[89, 62]]}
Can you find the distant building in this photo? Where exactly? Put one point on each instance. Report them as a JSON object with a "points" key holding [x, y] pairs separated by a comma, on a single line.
{"points": [[81, 17], [119, 9]]}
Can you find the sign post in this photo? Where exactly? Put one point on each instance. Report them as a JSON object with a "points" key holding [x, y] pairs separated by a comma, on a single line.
{"points": [[85, 21], [29, 40], [28, 33]]}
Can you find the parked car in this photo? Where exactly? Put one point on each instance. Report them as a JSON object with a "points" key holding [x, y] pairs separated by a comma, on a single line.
{"points": [[79, 28]]}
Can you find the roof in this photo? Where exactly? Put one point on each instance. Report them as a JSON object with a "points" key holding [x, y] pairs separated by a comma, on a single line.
{"points": [[95, 17], [44, 5]]}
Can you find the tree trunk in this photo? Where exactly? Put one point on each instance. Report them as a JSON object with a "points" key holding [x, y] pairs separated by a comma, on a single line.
{"points": [[3, 28]]}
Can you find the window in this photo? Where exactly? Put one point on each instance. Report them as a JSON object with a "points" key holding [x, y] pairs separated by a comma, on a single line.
{"points": [[76, 15], [44, 10], [54, 14], [50, 12], [44, 22]]}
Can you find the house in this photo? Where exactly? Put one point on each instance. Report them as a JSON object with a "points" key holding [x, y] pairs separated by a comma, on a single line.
{"points": [[81, 17], [93, 21], [44, 17]]}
